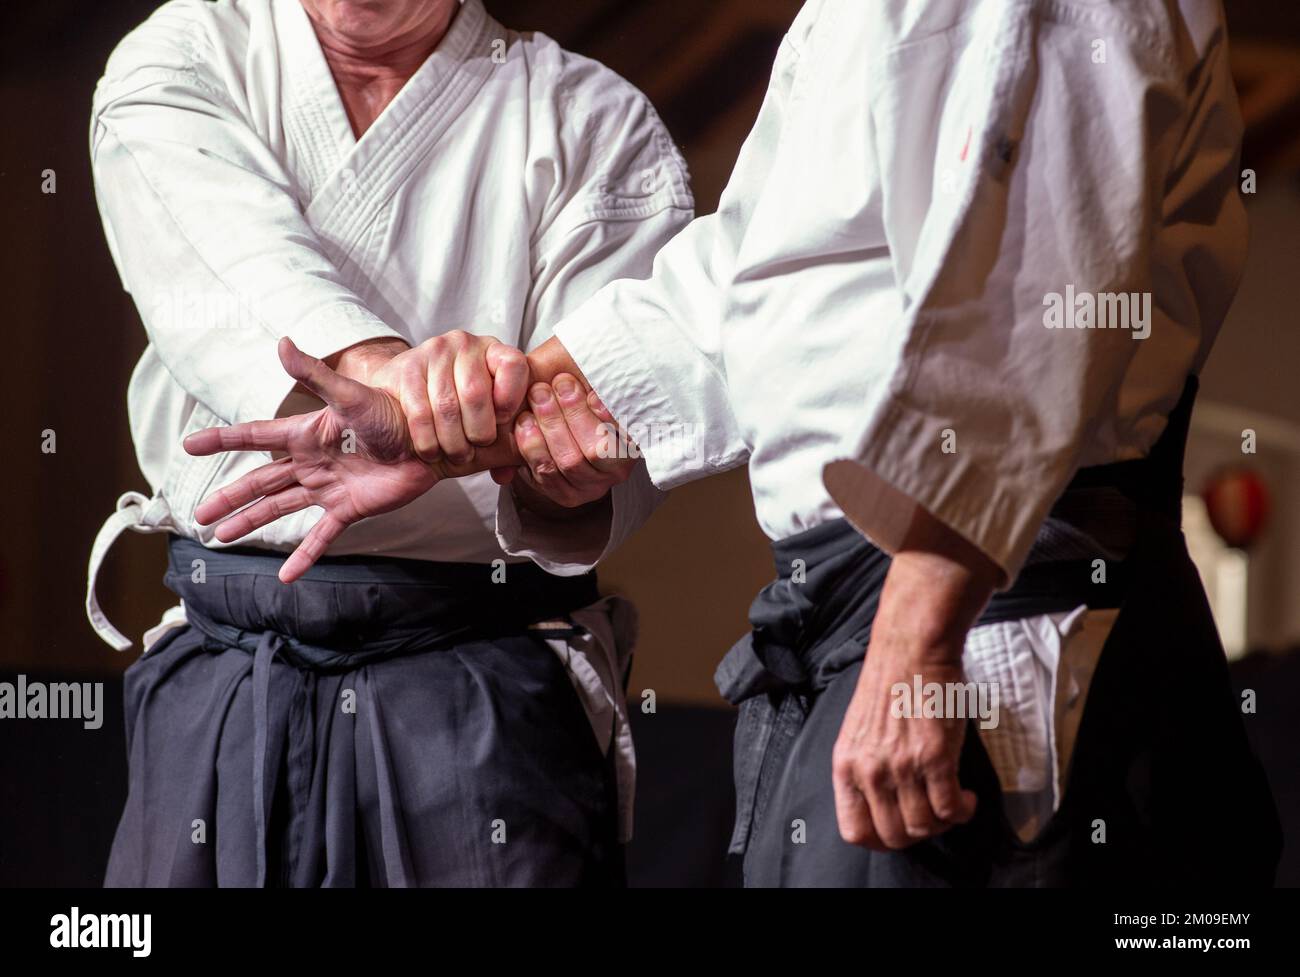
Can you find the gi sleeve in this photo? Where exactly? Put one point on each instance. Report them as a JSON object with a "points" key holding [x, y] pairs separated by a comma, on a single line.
{"points": [[205, 229], [621, 192], [652, 349], [1043, 182]]}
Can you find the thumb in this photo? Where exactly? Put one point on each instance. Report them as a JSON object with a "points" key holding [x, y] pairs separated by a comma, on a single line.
{"points": [[333, 388], [511, 377]]}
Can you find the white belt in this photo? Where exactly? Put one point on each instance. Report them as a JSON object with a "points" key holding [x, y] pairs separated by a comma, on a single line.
{"points": [[138, 514], [598, 663]]}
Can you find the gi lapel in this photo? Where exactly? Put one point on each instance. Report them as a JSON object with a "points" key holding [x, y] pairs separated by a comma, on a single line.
{"points": [[362, 175], [314, 118]]}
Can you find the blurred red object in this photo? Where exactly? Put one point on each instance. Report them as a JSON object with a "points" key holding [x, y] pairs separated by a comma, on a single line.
{"points": [[1237, 502]]}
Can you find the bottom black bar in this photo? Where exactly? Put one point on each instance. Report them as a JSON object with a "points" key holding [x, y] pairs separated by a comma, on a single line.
{"points": [[946, 928]]}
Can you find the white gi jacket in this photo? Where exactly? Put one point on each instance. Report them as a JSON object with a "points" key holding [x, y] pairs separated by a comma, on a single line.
{"points": [[507, 181], [864, 321]]}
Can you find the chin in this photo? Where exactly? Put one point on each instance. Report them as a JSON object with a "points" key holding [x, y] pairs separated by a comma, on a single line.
{"points": [[368, 21]]}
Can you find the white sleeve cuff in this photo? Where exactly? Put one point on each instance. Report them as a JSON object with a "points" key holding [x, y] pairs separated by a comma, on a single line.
{"points": [[899, 464], [574, 547], [669, 397]]}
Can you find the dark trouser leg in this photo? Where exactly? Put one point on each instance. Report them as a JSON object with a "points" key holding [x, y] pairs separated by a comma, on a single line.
{"points": [[1163, 788], [493, 767], [473, 766], [1162, 762]]}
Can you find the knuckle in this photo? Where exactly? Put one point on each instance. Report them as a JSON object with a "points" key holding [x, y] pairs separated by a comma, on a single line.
{"points": [[545, 411], [935, 761], [447, 407], [574, 411], [423, 435], [475, 394], [416, 409], [842, 767], [874, 773], [411, 373], [842, 756], [569, 461], [902, 770], [595, 453]]}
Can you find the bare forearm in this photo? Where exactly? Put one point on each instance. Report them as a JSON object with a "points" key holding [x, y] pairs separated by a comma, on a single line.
{"points": [[360, 361], [896, 778], [937, 586]]}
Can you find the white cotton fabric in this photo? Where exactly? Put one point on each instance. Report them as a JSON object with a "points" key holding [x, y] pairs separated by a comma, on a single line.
{"points": [[921, 176], [862, 322], [506, 183]]}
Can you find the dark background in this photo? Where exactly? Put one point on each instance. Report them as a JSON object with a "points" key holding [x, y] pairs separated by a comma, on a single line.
{"points": [[71, 338]]}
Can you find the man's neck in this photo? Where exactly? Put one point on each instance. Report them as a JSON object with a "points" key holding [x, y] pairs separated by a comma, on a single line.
{"points": [[370, 76]]}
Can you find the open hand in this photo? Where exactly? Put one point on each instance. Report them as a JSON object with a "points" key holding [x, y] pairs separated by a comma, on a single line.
{"points": [[354, 458]]}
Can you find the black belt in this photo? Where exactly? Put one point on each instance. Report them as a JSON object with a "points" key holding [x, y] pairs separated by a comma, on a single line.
{"points": [[346, 611]]}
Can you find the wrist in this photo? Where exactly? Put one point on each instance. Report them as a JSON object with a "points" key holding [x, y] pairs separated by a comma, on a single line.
{"points": [[937, 586], [551, 359], [932, 600], [363, 360], [530, 499]]}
